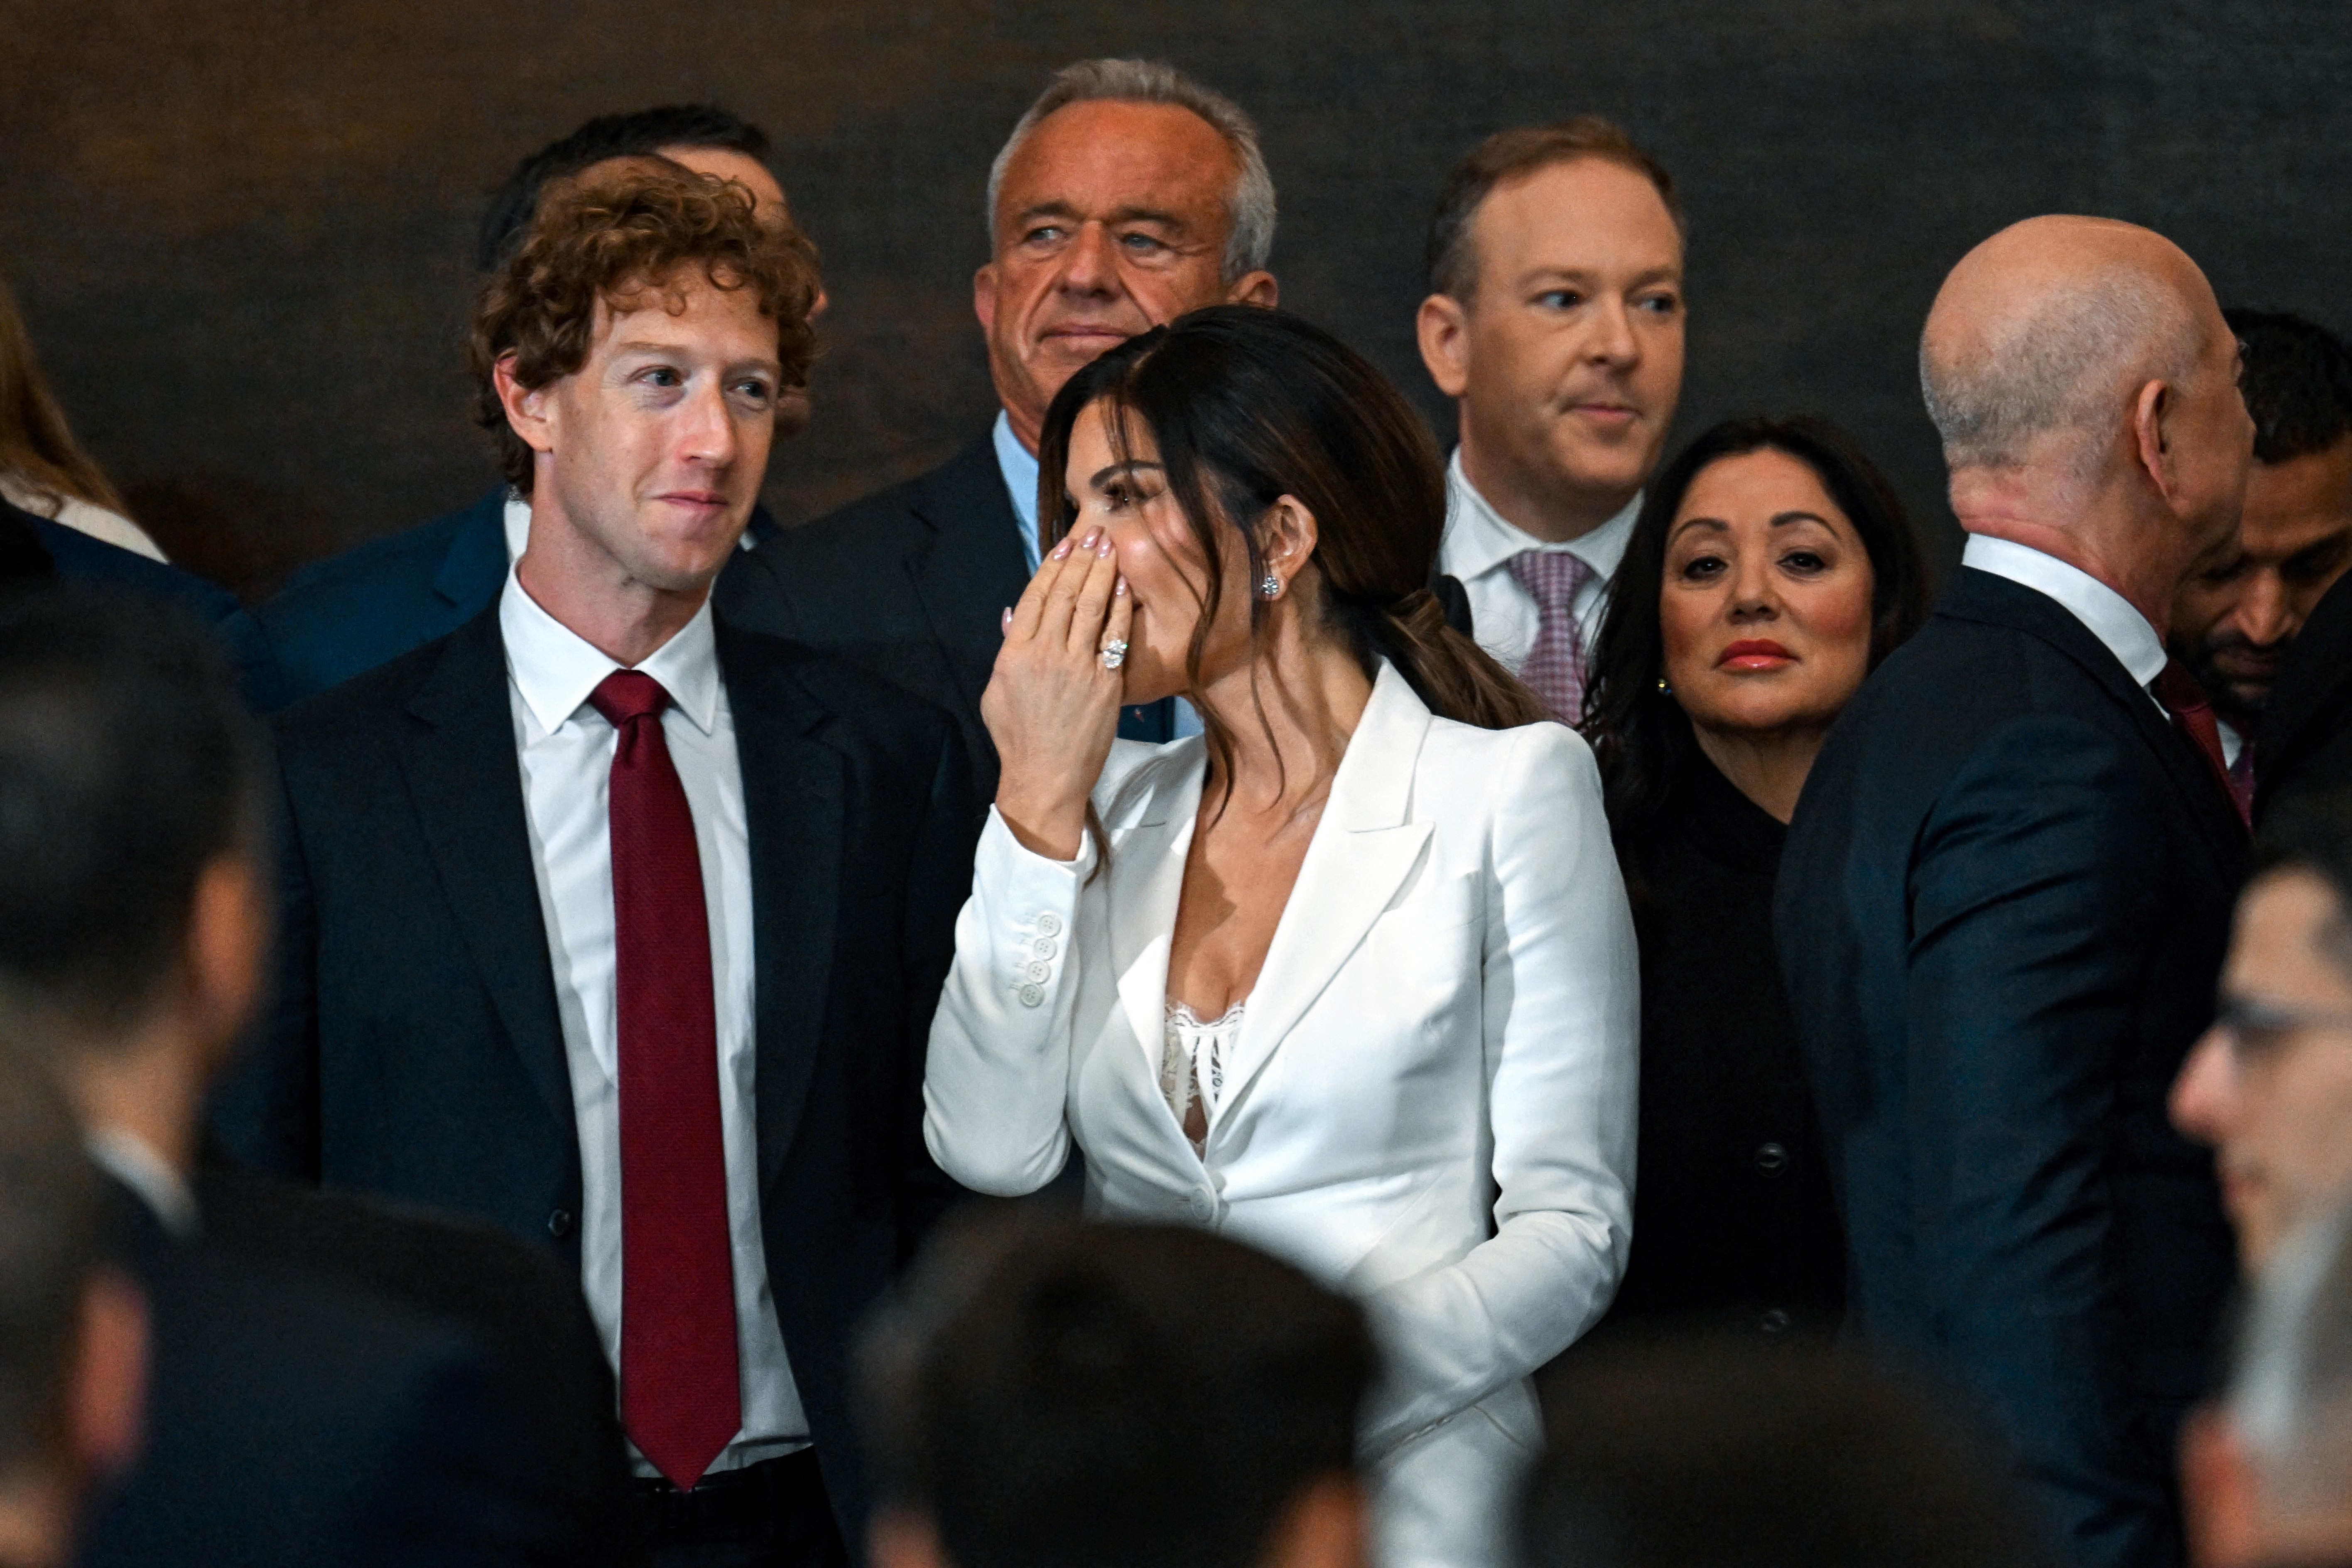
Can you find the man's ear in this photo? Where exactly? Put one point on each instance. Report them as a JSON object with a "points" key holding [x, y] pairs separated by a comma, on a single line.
{"points": [[1326, 1525], [1442, 329], [228, 949], [903, 1538], [1257, 289], [106, 1387], [528, 409], [983, 296], [2151, 445]]}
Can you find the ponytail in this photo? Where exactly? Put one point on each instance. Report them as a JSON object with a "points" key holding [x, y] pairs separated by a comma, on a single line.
{"points": [[1453, 676]]}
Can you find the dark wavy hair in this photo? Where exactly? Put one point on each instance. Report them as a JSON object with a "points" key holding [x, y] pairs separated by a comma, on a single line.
{"points": [[652, 225], [1639, 733], [1247, 406]]}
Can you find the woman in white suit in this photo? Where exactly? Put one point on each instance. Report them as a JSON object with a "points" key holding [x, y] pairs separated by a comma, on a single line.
{"points": [[1351, 976]]}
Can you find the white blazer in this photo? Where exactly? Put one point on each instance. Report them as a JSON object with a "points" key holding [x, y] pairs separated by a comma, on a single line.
{"points": [[1431, 1104]]}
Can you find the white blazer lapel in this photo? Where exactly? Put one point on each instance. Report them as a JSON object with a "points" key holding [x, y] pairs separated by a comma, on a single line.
{"points": [[1152, 834], [1362, 851]]}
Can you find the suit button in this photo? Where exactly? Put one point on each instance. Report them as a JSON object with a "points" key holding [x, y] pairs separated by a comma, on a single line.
{"points": [[1774, 1321], [1041, 970], [1202, 1205], [1772, 1159], [559, 1224], [1031, 996], [1045, 947], [1050, 925]]}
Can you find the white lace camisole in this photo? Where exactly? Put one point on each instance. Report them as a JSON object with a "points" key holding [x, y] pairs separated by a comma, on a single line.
{"points": [[1193, 1064]]}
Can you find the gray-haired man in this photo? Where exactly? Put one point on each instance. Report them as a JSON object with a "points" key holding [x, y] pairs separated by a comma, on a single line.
{"points": [[1127, 195]]}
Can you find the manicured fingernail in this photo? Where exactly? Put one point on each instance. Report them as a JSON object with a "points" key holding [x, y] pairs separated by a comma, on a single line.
{"points": [[1062, 549], [1120, 587], [1006, 620], [1092, 535], [1104, 549]]}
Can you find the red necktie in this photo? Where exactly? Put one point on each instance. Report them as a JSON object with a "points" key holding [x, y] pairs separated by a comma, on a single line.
{"points": [[2192, 715], [680, 1398]]}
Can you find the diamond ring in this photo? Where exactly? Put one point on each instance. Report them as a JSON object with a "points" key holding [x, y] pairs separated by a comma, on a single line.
{"points": [[1114, 654]]}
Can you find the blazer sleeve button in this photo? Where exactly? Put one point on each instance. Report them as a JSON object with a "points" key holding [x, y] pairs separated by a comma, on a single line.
{"points": [[559, 1224], [1772, 1159], [1049, 925], [1031, 996], [1201, 1203]]}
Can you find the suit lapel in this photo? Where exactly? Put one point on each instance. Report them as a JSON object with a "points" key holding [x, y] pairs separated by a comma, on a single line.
{"points": [[1153, 829], [792, 810], [1361, 853], [1983, 596], [972, 565], [459, 756]]}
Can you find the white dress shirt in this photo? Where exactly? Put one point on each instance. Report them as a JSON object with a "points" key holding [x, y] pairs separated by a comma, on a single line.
{"points": [[566, 747], [2106, 614], [1477, 549], [1428, 1103]]}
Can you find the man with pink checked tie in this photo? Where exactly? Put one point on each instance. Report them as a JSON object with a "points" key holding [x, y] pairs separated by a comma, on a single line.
{"points": [[1555, 323], [616, 925]]}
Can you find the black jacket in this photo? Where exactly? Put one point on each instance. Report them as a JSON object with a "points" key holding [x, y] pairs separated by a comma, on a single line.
{"points": [[416, 1052], [2305, 746], [291, 1425], [1734, 1227], [2002, 908]]}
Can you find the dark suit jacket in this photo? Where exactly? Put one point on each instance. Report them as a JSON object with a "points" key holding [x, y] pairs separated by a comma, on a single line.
{"points": [[515, 1305], [910, 584], [416, 1052], [346, 614], [2001, 911], [2305, 746], [291, 1425]]}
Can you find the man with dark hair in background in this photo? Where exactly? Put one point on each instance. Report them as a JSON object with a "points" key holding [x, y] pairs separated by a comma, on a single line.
{"points": [[2269, 1087], [2235, 623], [1127, 195], [338, 618], [1555, 321], [73, 1330], [325, 1389], [1700, 1454], [617, 926], [2006, 891], [1064, 1394]]}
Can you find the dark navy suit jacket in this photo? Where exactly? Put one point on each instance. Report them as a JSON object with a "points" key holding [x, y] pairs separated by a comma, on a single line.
{"points": [[344, 615], [2001, 911]]}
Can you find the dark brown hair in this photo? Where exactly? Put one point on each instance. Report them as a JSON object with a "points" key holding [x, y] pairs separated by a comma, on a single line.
{"points": [[611, 239], [1640, 734], [37, 446], [1247, 406], [1513, 154]]}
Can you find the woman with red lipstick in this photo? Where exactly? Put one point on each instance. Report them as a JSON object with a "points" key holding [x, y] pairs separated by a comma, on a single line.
{"points": [[1771, 568]]}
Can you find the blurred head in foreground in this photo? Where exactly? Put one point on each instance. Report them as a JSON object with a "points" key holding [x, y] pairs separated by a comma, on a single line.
{"points": [[1700, 1454], [1058, 1394]]}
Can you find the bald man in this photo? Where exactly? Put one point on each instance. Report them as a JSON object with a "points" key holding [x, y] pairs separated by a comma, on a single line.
{"points": [[2006, 894]]}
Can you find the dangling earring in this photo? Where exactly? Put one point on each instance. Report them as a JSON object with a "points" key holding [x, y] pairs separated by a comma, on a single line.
{"points": [[1664, 686], [1271, 588]]}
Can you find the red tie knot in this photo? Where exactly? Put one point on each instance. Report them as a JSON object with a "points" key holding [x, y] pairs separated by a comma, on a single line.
{"points": [[627, 694]]}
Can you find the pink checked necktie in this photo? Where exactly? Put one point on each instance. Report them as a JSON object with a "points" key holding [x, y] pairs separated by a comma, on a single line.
{"points": [[680, 1399], [1555, 668]]}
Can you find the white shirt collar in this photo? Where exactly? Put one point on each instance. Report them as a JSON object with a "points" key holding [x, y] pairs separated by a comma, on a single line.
{"points": [[555, 667], [516, 516], [126, 1156], [2107, 614], [1479, 538], [1019, 466]]}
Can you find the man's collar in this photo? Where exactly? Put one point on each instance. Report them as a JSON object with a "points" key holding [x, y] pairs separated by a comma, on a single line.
{"points": [[555, 667], [1019, 466], [2108, 615], [1478, 539], [126, 1156]]}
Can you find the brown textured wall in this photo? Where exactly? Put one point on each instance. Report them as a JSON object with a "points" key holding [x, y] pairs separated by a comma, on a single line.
{"points": [[239, 229]]}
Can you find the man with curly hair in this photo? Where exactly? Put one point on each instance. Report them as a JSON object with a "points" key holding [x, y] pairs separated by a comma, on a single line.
{"points": [[618, 926]]}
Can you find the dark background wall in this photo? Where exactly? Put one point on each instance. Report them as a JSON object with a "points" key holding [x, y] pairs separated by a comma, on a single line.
{"points": [[238, 229]]}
